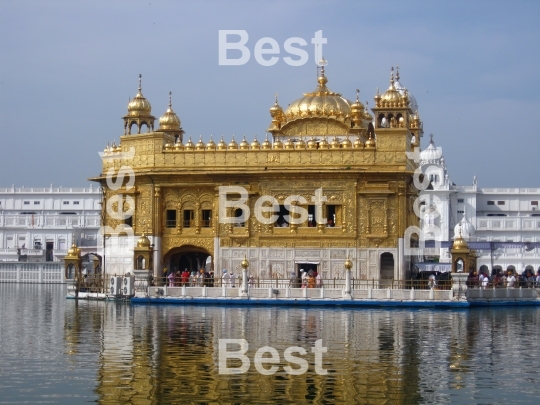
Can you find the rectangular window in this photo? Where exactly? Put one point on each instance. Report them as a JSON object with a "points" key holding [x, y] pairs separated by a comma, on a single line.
{"points": [[27, 203], [66, 203], [189, 218], [491, 202], [239, 213], [282, 215], [534, 203], [76, 202], [500, 203], [460, 200], [129, 221], [312, 222], [206, 218], [36, 202], [171, 219], [331, 215]]}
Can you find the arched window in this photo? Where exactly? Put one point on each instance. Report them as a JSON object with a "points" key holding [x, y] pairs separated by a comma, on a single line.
{"points": [[141, 263], [70, 272]]}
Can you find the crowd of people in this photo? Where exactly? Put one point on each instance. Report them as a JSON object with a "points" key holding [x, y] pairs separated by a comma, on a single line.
{"points": [[307, 279], [499, 279], [193, 279]]}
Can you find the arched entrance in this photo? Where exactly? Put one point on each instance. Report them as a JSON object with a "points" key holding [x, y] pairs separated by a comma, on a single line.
{"points": [[484, 269], [387, 266], [192, 258]]}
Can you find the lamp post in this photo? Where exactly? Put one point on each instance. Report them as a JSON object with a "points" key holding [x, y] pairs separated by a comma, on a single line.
{"points": [[245, 265], [348, 266]]}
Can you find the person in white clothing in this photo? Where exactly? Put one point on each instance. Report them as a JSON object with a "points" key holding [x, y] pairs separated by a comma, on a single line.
{"points": [[485, 281], [510, 280], [225, 279], [232, 277]]}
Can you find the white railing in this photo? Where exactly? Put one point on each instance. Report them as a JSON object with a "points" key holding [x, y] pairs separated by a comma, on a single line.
{"points": [[87, 220], [510, 190], [41, 190], [507, 223], [31, 273]]}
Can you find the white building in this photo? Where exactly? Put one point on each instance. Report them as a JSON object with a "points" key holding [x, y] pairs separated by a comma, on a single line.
{"points": [[40, 224], [491, 215]]}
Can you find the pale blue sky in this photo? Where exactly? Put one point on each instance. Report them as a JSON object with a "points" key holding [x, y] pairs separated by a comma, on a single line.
{"points": [[68, 68]]}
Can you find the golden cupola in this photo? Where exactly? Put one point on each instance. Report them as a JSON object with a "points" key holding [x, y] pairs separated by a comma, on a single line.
{"points": [[391, 97], [143, 241], [169, 120], [74, 251], [139, 113], [278, 118], [321, 112]]}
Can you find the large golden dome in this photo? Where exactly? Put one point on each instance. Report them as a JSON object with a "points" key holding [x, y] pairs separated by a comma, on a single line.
{"points": [[322, 102], [319, 113], [139, 106], [169, 120]]}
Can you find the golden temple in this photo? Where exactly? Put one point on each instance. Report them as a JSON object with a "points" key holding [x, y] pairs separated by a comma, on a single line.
{"points": [[321, 141]]}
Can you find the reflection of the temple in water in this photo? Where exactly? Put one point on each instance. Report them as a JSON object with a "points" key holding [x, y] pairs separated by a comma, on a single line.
{"points": [[170, 354]]}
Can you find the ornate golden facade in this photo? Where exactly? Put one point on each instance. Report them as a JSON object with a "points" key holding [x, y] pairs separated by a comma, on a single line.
{"points": [[322, 141]]}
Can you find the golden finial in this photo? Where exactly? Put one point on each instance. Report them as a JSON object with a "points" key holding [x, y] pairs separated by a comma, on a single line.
{"points": [[357, 94], [322, 78], [170, 100], [140, 82], [392, 77], [276, 99], [397, 73]]}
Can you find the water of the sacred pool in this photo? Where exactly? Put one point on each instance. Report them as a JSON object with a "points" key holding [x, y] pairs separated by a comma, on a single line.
{"points": [[59, 351]]}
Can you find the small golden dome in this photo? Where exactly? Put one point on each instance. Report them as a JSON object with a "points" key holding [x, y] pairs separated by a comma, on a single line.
{"points": [[200, 145], [312, 143], [277, 144], [289, 144], [139, 106], [74, 251], [211, 145], [391, 97], [179, 145], [370, 143], [233, 145], [255, 144], [358, 144], [222, 145], [367, 115], [335, 144], [189, 145], [118, 149], [459, 243], [300, 144], [346, 143], [168, 146], [266, 144], [143, 241], [169, 120], [357, 107], [244, 144], [276, 110], [323, 143]]}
